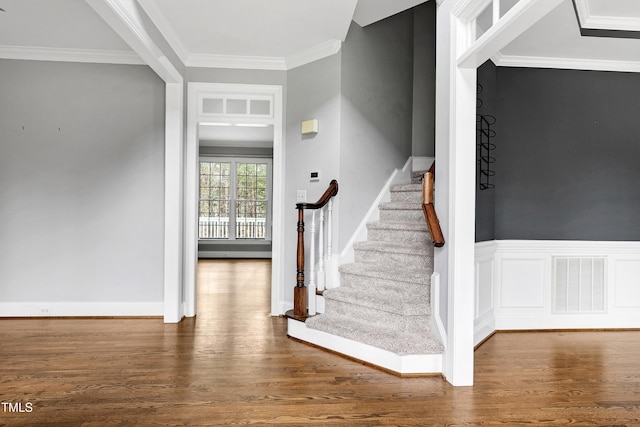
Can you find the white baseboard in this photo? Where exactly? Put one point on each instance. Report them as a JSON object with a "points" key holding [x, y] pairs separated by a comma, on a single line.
{"points": [[437, 325], [80, 309], [409, 364]]}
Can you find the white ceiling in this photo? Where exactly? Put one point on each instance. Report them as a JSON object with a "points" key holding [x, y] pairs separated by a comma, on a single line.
{"points": [[293, 32], [555, 41]]}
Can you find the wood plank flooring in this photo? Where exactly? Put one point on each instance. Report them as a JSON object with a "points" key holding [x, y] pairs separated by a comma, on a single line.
{"points": [[234, 365]]}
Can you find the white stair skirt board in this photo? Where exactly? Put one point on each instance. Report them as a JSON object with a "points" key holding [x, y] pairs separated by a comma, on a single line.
{"points": [[81, 309], [402, 364]]}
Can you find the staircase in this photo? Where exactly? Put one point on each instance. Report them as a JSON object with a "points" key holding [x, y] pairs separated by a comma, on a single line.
{"points": [[384, 296]]}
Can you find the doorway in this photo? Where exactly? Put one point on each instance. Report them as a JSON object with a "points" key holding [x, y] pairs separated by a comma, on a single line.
{"points": [[233, 106]]}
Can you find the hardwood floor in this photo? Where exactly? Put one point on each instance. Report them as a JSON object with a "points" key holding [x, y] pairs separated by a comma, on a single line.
{"points": [[233, 364]]}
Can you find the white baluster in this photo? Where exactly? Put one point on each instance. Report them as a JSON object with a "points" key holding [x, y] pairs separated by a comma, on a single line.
{"points": [[321, 279], [329, 281], [311, 288]]}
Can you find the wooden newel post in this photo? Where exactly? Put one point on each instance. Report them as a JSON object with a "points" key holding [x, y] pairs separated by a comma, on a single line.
{"points": [[300, 291]]}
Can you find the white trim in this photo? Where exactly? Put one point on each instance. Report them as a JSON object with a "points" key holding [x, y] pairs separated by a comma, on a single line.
{"points": [[602, 22], [622, 262], [437, 327], [502, 60], [402, 364], [583, 9], [195, 90], [236, 61], [166, 29], [78, 309], [173, 202], [517, 20], [323, 50], [35, 53], [124, 18]]}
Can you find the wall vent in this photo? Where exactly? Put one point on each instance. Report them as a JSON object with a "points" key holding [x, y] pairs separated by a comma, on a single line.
{"points": [[579, 285]]}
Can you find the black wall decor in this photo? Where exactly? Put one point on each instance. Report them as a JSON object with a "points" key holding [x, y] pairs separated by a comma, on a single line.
{"points": [[484, 135]]}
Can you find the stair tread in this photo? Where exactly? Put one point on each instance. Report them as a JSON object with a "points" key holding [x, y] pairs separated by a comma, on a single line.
{"points": [[400, 274], [417, 188], [403, 343]]}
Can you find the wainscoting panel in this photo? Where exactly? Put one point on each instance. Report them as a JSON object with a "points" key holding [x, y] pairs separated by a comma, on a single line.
{"points": [[627, 276], [538, 284]]}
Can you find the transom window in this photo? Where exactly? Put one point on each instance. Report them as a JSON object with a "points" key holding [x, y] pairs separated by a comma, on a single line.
{"points": [[235, 199]]}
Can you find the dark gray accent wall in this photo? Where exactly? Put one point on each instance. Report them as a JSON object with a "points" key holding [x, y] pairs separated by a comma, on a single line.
{"points": [[376, 112], [568, 149], [485, 199], [424, 80], [81, 182]]}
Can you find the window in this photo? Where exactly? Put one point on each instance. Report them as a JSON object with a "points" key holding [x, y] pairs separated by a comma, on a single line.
{"points": [[235, 199]]}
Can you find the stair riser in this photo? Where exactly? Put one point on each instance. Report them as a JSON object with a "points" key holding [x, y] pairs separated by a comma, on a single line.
{"points": [[391, 236], [402, 215], [418, 260], [380, 319], [407, 196], [371, 284], [403, 305]]}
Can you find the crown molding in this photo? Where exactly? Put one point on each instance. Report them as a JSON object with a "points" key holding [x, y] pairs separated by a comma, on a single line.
{"points": [[588, 20], [70, 55], [565, 63], [315, 53], [236, 61], [323, 50]]}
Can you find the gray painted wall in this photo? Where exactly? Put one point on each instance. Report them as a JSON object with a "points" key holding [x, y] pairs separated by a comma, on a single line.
{"points": [[232, 75], [81, 182], [376, 113], [424, 80], [313, 92], [568, 148]]}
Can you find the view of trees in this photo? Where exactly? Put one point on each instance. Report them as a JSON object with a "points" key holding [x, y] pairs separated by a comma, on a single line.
{"points": [[249, 207]]}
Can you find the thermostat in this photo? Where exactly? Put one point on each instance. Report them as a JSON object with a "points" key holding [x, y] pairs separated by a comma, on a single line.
{"points": [[314, 177]]}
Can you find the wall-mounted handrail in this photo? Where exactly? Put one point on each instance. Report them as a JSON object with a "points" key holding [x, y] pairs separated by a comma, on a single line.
{"points": [[429, 209], [300, 291]]}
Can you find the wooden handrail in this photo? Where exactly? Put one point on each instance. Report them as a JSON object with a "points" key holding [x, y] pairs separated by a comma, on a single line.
{"points": [[429, 209], [300, 291], [331, 191]]}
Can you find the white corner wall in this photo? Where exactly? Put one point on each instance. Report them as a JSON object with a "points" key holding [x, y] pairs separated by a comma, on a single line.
{"points": [[515, 291]]}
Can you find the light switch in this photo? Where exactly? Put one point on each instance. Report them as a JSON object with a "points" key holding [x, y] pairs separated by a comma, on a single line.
{"points": [[301, 196]]}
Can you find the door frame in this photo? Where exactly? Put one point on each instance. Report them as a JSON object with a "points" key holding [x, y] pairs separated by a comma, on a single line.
{"points": [[195, 93]]}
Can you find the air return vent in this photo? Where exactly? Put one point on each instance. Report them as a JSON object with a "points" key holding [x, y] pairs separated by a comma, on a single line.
{"points": [[579, 285]]}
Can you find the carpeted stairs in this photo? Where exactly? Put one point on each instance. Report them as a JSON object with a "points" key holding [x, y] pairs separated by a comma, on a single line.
{"points": [[384, 296]]}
